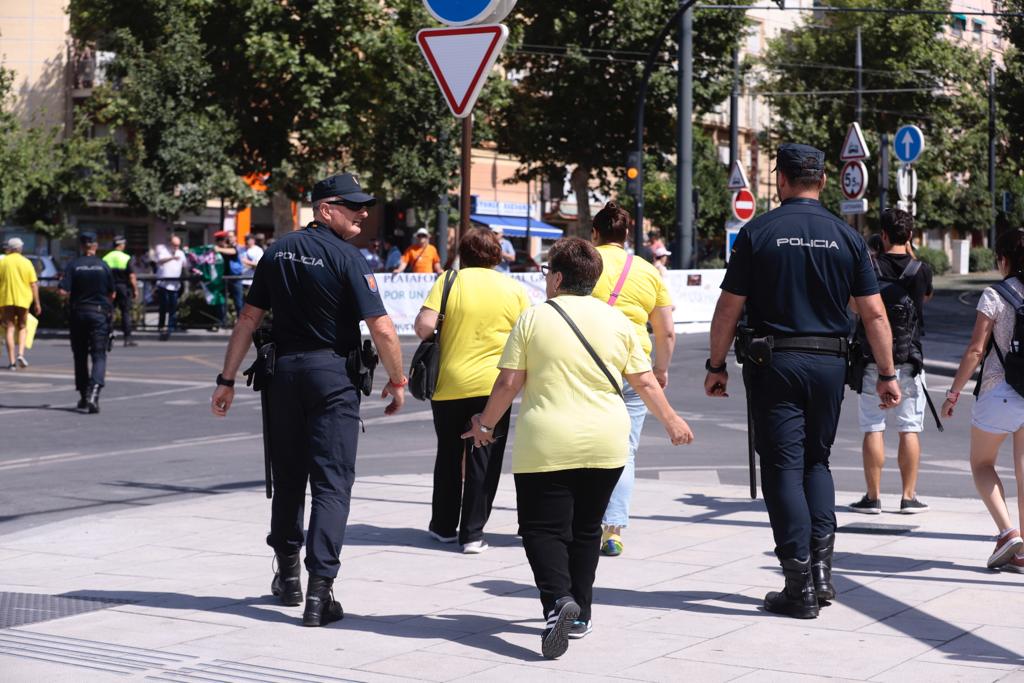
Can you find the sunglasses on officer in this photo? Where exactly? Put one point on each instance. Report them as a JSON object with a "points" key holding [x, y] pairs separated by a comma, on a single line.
{"points": [[351, 206]]}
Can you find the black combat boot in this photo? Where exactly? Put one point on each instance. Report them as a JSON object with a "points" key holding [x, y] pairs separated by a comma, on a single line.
{"points": [[287, 583], [83, 402], [321, 607], [92, 401], [797, 599], [821, 568]]}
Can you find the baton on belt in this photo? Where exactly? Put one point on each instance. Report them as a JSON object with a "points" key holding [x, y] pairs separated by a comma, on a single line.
{"points": [[751, 462], [268, 474], [258, 376]]}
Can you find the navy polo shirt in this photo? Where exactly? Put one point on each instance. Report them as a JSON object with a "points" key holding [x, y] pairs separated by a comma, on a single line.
{"points": [[319, 287], [89, 281], [798, 266]]}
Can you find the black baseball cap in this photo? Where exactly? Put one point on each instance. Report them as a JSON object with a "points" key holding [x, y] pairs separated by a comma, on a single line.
{"points": [[87, 238], [800, 162], [344, 185]]}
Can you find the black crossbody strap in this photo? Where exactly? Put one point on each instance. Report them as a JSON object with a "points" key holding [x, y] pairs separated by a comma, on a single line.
{"points": [[587, 346], [449, 279]]}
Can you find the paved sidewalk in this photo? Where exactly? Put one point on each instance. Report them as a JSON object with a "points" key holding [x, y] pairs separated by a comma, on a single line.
{"points": [[179, 592]]}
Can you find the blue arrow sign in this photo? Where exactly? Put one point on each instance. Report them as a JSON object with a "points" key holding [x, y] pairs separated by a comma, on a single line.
{"points": [[461, 12], [909, 143]]}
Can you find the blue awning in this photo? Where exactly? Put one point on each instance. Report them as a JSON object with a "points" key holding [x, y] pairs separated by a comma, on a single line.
{"points": [[515, 226]]}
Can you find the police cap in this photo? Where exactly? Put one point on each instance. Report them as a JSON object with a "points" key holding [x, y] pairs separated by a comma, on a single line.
{"points": [[119, 240], [800, 162], [344, 185], [87, 237]]}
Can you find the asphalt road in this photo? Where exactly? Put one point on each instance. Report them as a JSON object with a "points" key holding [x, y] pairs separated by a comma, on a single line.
{"points": [[155, 440]]}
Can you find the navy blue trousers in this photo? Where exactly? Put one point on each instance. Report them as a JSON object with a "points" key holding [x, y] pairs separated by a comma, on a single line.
{"points": [[795, 405], [314, 430], [90, 328]]}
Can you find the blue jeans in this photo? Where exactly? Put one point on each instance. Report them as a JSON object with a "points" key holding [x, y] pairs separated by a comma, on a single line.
{"points": [[617, 512], [168, 299]]}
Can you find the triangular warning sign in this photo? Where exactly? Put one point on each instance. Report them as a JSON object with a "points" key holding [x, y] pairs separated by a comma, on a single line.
{"points": [[737, 177], [854, 147], [461, 59]]}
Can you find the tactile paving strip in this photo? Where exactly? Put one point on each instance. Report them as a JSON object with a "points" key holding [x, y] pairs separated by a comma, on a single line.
{"points": [[19, 609], [86, 654]]}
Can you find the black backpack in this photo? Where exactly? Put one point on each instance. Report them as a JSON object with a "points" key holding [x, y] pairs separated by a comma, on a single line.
{"points": [[1013, 358], [903, 317]]}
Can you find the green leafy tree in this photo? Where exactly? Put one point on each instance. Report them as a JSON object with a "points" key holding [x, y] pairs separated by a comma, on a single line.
{"points": [[575, 73], [45, 173], [936, 84]]}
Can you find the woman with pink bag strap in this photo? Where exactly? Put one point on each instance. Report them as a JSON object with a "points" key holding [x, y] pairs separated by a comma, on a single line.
{"points": [[635, 287]]}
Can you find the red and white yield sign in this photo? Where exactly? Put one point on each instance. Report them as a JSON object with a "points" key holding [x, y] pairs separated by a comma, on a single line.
{"points": [[461, 59], [743, 205]]}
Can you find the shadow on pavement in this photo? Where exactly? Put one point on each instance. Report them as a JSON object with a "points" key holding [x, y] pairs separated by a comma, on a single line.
{"points": [[245, 607], [369, 535], [44, 406]]}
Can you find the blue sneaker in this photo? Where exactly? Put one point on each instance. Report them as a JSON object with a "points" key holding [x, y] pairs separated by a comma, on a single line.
{"points": [[580, 629]]}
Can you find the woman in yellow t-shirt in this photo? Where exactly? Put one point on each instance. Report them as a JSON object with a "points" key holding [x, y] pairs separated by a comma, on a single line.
{"points": [[482, 307], [636, 288], [572, 433]]}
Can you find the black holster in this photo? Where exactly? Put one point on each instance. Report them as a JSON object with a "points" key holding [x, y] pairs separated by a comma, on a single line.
{"points": [[258, 374], [757, 350], [856, 365], [360, 365]]}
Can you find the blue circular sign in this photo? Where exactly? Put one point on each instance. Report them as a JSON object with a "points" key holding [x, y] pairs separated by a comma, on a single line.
{"points": [[908, 143], [463, 12]]}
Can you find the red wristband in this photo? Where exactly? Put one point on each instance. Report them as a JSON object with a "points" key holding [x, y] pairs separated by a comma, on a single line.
{"points": [[398, 385]]}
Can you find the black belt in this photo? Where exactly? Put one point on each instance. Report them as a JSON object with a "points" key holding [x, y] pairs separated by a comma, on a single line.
{"points": [[829, 346], [92, 308], [309, 352]]}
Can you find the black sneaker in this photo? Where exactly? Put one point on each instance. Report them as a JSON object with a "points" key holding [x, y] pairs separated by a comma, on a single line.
{"points": [[912, 506], [867, 506], [555, 639], [580, 629]]}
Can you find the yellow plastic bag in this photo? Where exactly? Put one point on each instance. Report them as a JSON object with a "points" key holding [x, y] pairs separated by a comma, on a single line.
{"points": [[31, 323]]}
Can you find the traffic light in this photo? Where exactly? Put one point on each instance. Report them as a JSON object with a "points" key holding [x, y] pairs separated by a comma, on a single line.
{"points": [[633, 171]]}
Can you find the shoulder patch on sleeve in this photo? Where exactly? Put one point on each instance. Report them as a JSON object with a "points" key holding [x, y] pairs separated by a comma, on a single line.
{"points": [[371, 281]]}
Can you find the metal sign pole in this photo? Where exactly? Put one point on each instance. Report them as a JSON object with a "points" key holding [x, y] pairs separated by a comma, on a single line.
{"points": [[466, 179]]}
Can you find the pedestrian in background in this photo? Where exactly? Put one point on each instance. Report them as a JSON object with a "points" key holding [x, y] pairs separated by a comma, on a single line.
{"points": [[999, 410], [508, 252], [19, 289], [170, 265], [89, 285], [251, 256], [126, 285], [661, 255], [226, 245], [794, 270], [481, 308], [572, 433], [904, 280], [318, 287], [636, 288], [392, 256], [371, 252], [421, 257]]}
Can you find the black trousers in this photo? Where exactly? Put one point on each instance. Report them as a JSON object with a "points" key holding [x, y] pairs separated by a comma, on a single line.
{"points": [[560, 523], [472, 499], [168, 300], [123, 301], [314, 430], [795, 404], [90, 328]]}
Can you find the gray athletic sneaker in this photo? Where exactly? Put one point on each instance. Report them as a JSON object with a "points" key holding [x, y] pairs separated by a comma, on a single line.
{"points": [[867, 506], [912, 506]]}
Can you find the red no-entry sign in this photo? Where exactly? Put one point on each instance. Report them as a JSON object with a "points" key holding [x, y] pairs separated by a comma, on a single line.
{"points": [[743, 205]]}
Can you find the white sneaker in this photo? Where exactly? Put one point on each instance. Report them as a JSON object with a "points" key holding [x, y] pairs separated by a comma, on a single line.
{"points": [[475, 547], [441, 539], [22, 363]]}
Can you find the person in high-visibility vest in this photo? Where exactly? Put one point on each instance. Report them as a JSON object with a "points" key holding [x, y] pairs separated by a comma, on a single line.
{"points": [[126, 285]]}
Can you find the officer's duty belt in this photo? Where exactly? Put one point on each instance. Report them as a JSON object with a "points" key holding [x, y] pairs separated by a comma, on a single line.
{"points": [[92, 308], [829, 346]]}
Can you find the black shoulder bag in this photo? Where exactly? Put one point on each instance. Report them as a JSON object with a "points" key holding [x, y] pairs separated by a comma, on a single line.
{"points": [[587, 346], [426, 362]]}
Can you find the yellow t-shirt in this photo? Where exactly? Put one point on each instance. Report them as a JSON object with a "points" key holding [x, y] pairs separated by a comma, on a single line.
{"points": [[643, 291], [482, 308], [570, 416], [16, 277]]}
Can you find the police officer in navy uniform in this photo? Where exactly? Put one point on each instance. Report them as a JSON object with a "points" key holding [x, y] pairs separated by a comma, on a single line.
{"points": [[796, 269], [319, 288], [89, 283]]}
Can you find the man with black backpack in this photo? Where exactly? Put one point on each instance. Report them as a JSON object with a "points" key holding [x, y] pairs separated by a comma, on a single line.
{"points": [[905, 284]]}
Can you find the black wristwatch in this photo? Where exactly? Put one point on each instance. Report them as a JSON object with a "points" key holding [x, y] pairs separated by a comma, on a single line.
{"points": [[221, 382], [888, 378], [720, 370]]}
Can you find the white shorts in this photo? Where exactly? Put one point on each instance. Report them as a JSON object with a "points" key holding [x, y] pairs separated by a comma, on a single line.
{"points": [[908, 415], [1000, 410]]}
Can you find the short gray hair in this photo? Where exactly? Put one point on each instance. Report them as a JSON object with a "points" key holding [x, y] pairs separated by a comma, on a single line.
{"points": [[323, 200]]}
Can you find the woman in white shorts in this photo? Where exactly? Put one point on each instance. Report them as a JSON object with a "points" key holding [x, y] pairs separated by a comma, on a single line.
{"points": [[999, 410]]}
